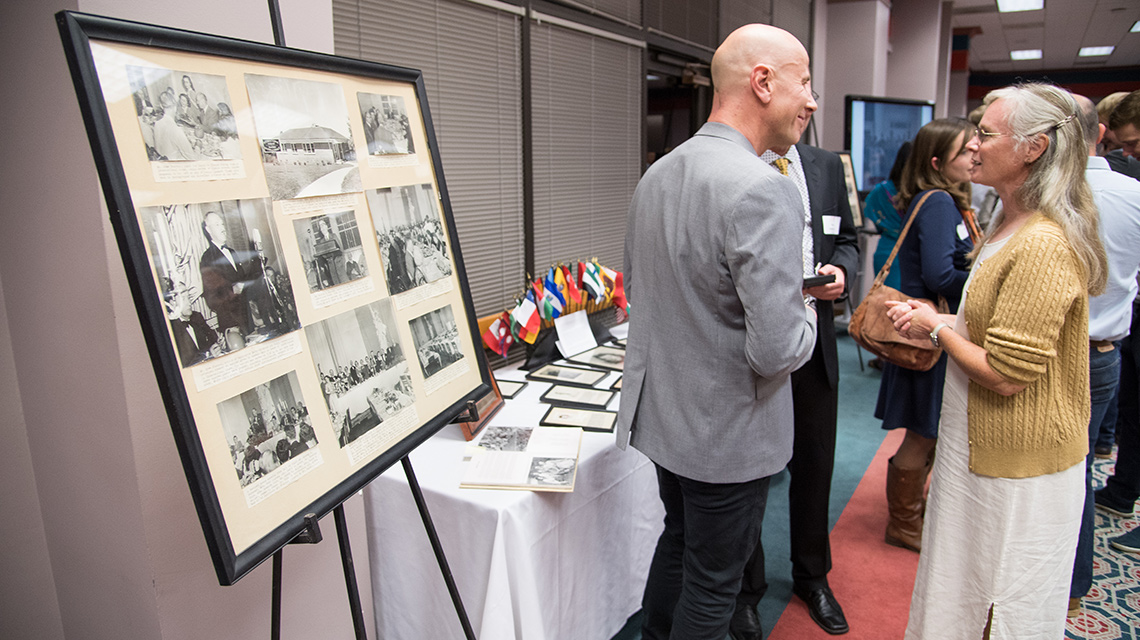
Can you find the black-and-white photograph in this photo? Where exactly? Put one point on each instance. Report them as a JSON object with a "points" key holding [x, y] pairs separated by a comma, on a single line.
{"points": [[330, 249], [184, 115], [363, 371], [437, 340], [562, 374], [409, 230], [305, 136], [386, 125], [221, 275], [266, 427], [505, 438], [552, 471], [602, 357]]}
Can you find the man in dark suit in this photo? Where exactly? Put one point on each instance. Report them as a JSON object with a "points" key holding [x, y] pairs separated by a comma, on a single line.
{"points": [[224, 277], [830, 241], [194, 338], [712, 265]]}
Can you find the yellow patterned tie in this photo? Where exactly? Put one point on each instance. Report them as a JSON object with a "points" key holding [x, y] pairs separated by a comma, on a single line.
{"points": [[781, 164]]}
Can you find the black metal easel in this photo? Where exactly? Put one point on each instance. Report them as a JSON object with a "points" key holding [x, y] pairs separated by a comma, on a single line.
{"points": [[312, 533]]}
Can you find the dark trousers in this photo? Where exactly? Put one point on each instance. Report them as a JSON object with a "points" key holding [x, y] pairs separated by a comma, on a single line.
{"points": [[1124, 484], [809, 491], [1104, 375], [710, 530]]}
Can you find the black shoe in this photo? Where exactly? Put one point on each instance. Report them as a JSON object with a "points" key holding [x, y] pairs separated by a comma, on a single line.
{"points": [[1105, 502], [824, 609], [745, 623], [1103, 452]]}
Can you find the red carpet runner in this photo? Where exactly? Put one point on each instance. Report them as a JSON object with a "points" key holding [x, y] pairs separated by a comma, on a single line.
{"points": [[871, 579]]}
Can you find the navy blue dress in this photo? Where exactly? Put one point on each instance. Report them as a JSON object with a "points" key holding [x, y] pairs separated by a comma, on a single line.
{"points": [[931, 262]]}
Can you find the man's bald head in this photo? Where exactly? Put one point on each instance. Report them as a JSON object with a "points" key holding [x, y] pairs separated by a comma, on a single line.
{"points": [[747, 47], [1090, 122]]}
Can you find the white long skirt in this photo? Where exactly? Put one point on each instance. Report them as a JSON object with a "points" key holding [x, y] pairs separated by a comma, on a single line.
{"points": [[1001, 542]]}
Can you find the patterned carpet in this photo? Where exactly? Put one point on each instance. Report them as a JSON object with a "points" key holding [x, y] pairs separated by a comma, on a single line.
{"points": [[1111, 610]]}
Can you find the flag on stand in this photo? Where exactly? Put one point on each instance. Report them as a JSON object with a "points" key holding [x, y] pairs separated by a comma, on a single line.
{"points": [[607, 278], [527, 316], [592, 282], [573, 294], [498, 335], [554, 294]]}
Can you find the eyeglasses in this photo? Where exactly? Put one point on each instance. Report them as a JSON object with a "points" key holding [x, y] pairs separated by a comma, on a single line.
{"points": [[983, 135]]}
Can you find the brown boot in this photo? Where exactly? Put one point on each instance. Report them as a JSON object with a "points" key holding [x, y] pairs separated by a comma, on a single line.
{"points": [[906, 505]]}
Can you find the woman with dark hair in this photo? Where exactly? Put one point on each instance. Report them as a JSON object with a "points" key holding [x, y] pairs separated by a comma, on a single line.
{"points": [[1009, 479], [932, 265], [880, 208]]}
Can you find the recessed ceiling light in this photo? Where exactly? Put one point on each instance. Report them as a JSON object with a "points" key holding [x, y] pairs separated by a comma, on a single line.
{"points": [[1025, 54], [1095, 51], [1008, 6], [1135, 27]]}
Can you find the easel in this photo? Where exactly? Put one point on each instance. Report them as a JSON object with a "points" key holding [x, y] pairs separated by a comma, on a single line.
{"points": [[311, 534]]}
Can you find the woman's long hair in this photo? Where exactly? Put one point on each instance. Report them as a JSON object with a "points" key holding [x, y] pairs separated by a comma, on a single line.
{"points": [[1056, 185], [936, 139]]}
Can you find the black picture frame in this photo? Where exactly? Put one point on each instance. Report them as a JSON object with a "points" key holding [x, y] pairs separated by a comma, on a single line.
{"points": [[562, 374], [564, 395], [240, 535], [510, 388], [586, 419], [601, 357]]}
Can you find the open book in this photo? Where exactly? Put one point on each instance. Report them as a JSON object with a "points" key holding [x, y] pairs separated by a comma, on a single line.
{"points": [[532, 458]]}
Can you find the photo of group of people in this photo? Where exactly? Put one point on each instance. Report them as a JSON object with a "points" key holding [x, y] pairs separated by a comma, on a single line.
{"points": [[363, 371], [411, 236], [184, 116], [330, 249], [266, 427], [437, 340], [386, 125], [306, 139], [221, 275]]}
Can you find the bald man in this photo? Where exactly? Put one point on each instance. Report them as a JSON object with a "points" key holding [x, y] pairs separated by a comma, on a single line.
{"points": [[713, 264]]}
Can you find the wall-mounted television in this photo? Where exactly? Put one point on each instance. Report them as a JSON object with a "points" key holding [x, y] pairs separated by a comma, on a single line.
{"points": [[875, 128]]}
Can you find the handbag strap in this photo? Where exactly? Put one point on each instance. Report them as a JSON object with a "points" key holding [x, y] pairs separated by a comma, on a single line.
{"points": [[886, 268]]}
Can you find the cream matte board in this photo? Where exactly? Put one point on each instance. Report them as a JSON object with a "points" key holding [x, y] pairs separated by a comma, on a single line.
{"points": [[285, 226]]}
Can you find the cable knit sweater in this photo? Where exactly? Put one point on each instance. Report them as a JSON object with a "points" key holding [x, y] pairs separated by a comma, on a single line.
{"points": [[1028, 308]]}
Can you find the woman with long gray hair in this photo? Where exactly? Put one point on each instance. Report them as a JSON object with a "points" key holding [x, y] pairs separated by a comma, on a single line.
{"points": [[1006, 499]]}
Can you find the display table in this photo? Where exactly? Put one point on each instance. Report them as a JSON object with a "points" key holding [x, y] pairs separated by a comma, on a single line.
{"points": [[528, 565]]}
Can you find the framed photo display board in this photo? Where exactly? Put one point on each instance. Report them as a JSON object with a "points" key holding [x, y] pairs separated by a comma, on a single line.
{"points": [[285, 228]]}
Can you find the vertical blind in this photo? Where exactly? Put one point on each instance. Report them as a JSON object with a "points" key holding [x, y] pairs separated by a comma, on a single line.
{"points": [[587, 124], [469, 55]]}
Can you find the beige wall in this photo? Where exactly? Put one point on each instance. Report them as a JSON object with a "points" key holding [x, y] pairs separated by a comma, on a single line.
{"points": [[101, 536]]}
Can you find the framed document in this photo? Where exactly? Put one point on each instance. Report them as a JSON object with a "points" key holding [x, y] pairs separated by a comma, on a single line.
{"points": [[561, 395], [852, 191], [616, 384], [562, 374], [265, 201], [586, 419], [510, 388], [612, 358]]}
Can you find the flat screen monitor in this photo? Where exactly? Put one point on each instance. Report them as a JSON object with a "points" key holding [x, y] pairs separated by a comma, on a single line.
{"points": [[875, 128]]}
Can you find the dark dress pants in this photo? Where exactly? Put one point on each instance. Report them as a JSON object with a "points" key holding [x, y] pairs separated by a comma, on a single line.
{"points": [[710, 531], [1124, 484], [809, 489]]}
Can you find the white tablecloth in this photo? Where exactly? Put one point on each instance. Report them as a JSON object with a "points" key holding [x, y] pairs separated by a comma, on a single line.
{"points": [[528, 565]]}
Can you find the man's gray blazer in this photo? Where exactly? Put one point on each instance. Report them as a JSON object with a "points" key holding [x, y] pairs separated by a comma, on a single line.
{"points": [[714, 271]]}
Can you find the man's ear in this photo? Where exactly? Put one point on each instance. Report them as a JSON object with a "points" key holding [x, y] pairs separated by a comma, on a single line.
{"points": [[761, 83], [1036, 147], [1100, 129]]}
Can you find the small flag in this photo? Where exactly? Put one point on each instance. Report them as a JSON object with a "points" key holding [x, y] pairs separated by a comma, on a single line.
{"points": [[607, 277], [498, 335], [554, 294], [527, 316], [573, 293], [592, 282]]}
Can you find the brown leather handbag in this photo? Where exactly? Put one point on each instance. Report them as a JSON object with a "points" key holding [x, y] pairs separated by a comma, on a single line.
{"points": [[873, 330]]}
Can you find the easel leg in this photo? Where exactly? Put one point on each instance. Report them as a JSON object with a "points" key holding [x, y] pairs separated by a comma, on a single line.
{"points": [[418, 495], [349, 573], [275, 619]]}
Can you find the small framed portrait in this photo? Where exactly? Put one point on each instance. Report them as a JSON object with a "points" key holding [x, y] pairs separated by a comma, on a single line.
{"points": [[612, 358], [852, 190], [510, 388], [562, 374], [579, 397], [586, 419]]}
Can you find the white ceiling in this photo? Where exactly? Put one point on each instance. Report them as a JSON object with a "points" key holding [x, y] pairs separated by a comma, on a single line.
{"points": [[1059, 30]]}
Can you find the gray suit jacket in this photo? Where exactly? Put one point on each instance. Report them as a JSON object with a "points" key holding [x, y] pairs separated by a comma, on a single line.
{"points": [[714, 274]]}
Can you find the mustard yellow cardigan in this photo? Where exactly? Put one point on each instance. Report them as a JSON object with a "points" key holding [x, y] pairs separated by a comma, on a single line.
{"points": [[1028, 308]]}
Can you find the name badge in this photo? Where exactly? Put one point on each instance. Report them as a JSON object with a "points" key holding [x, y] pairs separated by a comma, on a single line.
{"points": [[962, 233], [830, 225]]}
